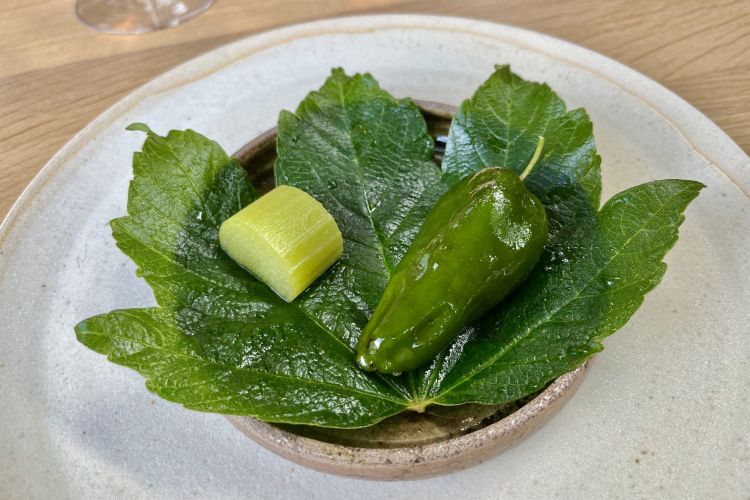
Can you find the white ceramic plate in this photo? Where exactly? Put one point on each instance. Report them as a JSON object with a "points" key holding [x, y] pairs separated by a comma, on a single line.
{"points": [[664, 411]]}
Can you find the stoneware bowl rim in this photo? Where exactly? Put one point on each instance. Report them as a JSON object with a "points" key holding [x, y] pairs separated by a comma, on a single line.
{"points": [[416, 461], [419, 461]]}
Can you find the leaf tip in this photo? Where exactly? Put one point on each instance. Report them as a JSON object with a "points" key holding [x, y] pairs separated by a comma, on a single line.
{"points": [[114, 224], [503, 72], [80, 329], [690, 188], [89, 335], [139, 127], [695, 188]]}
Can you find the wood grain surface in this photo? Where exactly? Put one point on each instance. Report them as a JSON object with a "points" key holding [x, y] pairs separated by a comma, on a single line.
{"points": [[56, 75]]}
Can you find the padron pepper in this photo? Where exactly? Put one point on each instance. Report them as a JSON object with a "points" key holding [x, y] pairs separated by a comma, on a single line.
{"points": [[478, 243]]}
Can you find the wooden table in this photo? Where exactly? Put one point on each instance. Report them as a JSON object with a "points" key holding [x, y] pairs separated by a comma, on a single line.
{"points": [[56, 75]]}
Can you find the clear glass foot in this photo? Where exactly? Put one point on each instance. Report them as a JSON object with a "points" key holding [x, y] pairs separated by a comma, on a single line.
{"points": [[130, 17]]}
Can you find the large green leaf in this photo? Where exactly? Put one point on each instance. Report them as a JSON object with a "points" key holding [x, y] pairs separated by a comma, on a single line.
{"points": [[588, 290], [368, 159], [222, 341], [549, 325], [500, 125], [277, 367]]}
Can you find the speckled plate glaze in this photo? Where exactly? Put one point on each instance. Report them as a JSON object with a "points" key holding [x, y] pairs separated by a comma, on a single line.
{"points": [[663, 412]]}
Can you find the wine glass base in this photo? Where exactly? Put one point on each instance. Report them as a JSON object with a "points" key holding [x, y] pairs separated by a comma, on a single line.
{"points": [[132, 17]]}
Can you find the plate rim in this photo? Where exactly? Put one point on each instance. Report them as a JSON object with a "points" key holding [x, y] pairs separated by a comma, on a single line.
{"points": [[223, 56], [575, 55], [730, 163]]}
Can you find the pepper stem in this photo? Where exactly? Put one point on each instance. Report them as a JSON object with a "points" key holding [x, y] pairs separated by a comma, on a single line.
{"points": [[534, 158]]}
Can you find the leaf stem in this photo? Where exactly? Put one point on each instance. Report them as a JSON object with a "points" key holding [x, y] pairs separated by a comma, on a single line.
{"points": [[534, 158]]}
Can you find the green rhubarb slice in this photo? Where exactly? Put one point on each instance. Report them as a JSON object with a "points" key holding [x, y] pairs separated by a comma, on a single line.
{"points": [[286, 238]]}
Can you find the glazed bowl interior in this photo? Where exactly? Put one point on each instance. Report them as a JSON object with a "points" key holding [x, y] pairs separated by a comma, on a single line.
{"points": [[409, 445]]}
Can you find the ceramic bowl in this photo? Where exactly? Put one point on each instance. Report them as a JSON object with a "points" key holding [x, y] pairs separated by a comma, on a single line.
{"points": [[410, 445]]}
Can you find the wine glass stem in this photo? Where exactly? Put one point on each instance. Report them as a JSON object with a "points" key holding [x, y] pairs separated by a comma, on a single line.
{"points": [[155, 13]]}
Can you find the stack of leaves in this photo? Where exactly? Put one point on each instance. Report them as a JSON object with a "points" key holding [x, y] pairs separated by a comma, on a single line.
{"points": [[221, 341]]}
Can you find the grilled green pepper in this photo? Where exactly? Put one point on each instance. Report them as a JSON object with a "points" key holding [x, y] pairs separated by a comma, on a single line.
{"points": [[477, 244]]}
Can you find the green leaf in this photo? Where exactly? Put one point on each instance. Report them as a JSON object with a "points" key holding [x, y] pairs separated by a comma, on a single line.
{"points": [[221, 341], [516, 349], [500, 125], [368, 159], [184, 185], [274, 372], [573, 301]]}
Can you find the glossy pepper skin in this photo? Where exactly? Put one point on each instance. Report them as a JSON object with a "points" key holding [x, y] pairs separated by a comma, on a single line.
{"points": [[478, 243]]}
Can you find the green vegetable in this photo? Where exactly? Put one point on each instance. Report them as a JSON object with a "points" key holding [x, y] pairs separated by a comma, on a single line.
{"points": [[286, 238], [221, 341], [477, 244]]}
